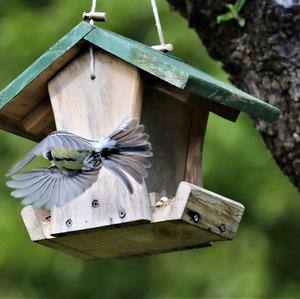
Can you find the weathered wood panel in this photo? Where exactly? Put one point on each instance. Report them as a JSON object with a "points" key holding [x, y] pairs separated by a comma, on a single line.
{"points": [[26, 91], [194, 218], [193, 168], [43, 68], [167, 122], [40, 119], [38, 224], [210, 211], [192, 99], [92, 108], [180, 74]]}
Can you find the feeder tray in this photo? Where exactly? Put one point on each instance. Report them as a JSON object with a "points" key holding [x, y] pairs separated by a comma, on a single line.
{"points": [[173, 101], [194, 218]]}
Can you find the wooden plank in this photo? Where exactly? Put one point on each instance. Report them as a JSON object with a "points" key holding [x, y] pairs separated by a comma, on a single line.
{"points": [[34, 221], [193, 168], [180, 74], [38, 225], [46, 63], [19, 98], [26, 91], [41, 118], [220, 110], [15, 126], [92, 108], [209, 211], [173, 227], [192, 99], [36, 90], [173, 91], [214, 107], [167, 122], [139, 55], [138, 240]]}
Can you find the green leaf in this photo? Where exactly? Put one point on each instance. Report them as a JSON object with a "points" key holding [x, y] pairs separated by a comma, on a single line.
{"points": [[242, 22], [233, 13], [226, 17], [239, 4], [233, 10]]}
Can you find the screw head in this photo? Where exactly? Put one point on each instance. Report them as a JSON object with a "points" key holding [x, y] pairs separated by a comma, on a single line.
{"points": [[122, 214], [95, 203], [69, 223], [196, 217], [222, 227]]}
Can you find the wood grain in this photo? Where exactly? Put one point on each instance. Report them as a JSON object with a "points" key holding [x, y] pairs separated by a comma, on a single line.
{"points": [[38, 225], [218, 214], [173, 91], [193, 99], [167, 122], [193, 168], [92, 108], [26, 92], [40, 119], [23, 95], [172, 228], [179, 74]]}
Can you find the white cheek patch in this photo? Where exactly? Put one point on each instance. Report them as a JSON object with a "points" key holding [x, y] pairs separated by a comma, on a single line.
{"points": [[288, 3]]}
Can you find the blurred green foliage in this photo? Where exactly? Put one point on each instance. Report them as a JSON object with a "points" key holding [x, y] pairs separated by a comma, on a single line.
{"points": [[263, 260]]}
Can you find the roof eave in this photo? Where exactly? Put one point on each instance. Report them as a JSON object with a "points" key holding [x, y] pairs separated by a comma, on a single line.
{"points": [[240, 101], [44, 62], [160, 65]]}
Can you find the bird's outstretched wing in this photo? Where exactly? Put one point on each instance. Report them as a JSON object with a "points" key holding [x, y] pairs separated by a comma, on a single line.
{"points": [[57, 139], [126, 151], [51, 187]]}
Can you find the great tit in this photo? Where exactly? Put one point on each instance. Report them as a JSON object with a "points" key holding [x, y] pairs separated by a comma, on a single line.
{"points": [[76, 162]]}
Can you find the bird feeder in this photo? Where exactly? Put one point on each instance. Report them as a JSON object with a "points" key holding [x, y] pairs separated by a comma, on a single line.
{"points": [[170, 211]]}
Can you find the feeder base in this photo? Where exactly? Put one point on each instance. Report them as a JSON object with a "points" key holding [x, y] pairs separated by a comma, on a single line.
{"points": [[194, 218]]}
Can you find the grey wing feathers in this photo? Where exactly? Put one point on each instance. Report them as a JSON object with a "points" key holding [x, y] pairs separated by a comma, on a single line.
{"points": [[133, 151], [57, 139], [125, 125], [119, 174], [51, 187], [124, 152]]}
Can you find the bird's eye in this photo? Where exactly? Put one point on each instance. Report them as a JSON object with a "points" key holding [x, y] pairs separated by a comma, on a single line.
{"points": [[49, 156]]}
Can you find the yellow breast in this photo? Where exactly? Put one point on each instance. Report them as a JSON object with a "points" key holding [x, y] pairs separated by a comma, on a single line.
{"points": [[68, 158]]}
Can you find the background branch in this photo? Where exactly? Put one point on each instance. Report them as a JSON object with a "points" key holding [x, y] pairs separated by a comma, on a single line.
{"points": [[263, 59]]}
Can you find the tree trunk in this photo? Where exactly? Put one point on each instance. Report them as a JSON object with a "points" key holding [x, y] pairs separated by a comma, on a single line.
{"points": [[263, 59]]}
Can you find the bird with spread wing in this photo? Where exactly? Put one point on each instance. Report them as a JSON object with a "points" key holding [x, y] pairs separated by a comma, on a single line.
{"points": [[76, 162]]}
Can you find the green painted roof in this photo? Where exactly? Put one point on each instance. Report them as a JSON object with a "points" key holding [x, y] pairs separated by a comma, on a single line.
{"points": [[161, 65]]}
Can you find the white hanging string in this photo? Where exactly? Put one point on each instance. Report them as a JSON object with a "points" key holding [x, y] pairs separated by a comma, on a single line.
{"points": [[92, 54], [93, 9], [163, 46], [157, 22]]}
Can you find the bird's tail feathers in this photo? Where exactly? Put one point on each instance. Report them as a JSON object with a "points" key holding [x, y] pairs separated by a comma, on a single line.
{"points": [[119, 174], [130, 152]]}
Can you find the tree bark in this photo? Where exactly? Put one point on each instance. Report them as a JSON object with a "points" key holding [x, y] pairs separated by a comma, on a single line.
{"points": [[263, 59]]}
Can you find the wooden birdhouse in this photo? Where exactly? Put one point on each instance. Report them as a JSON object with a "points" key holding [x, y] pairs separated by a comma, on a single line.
{"points": [[170, 211]]}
